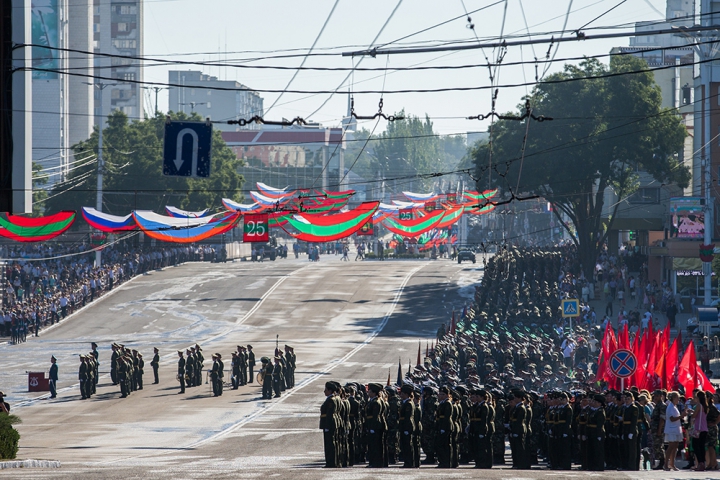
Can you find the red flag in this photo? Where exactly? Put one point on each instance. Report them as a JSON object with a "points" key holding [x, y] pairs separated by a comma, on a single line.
{"points": [[671, 362], [687, 369], [666, 337], [609, 345], [655, 355], [638, 377], [702, 381], [623, 338]]}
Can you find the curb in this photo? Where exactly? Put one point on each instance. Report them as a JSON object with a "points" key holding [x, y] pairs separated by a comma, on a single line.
{"points": [[30, 464]]}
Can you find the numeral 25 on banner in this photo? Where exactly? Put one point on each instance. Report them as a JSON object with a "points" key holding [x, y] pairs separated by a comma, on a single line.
{"points": [[256, 227]]}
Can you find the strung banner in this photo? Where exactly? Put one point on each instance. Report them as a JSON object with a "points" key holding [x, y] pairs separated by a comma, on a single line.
{"points": [[108, 223], [327, 228], [256, 227], [192, 231], [451, 197], [406, 214], [35, 229], [231, 205], [429, 206], [176, 212], [415, 227], [451, 216]]}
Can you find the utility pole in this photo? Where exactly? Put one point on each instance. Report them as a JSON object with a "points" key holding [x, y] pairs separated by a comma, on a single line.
{"points": [[100, 168], [156, 90]]}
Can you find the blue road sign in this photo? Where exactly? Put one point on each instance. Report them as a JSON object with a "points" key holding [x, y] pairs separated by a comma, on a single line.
{"points": [[187, 149], [623, 363], [571, 307]]}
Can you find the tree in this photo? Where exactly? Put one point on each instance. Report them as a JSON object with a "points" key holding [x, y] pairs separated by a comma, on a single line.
{"points": [[133, 179], [604, 130], [39, 179]]}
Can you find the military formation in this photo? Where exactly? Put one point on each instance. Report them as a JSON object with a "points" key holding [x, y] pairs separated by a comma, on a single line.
{"points": [[277, 373]]}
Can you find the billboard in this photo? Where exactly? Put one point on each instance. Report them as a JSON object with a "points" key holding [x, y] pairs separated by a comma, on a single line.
{"points": [[45, 24], [688, 217]]}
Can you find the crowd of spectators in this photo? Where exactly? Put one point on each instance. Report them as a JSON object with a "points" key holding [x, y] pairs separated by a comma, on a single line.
{"points": [[44, 283]]}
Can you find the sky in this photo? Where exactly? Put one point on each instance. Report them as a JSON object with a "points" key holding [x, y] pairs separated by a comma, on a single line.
{"points": [[229, 30]]}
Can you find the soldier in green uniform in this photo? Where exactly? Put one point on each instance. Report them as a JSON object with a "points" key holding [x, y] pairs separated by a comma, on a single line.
{"points": [[417, 434], [241, 366], [456, 427], [375, 426], [478, 429], [155, 363], [428, 406], [344, 427], [329, 424], [96, 364], [491, 429], [657, 428], [550, 422], [290, 359], [393, 415], [90, 384], [530, 454], [221, 373], [122, 373], [181, 371], [628, 439], [595, 432], [190, 368], [53, 377], [199, 364], [406, 426], [563, 433], [444, 428]]}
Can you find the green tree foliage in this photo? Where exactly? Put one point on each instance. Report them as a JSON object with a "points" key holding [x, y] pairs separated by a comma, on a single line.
{"points": [[406, 149], [9, 437], [604, 130], [133, 179]]}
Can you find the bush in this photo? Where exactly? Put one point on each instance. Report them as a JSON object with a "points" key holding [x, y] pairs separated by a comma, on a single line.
{"points": [[9, 437], [370, 255]]}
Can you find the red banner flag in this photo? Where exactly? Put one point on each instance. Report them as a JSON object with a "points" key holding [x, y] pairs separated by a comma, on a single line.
{"points": [[671, 362], [687, 369]]}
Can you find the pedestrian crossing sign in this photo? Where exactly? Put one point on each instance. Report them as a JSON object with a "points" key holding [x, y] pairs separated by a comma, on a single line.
{"points": [[570, 307]]}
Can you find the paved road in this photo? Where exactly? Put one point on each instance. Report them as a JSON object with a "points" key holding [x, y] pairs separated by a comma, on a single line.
{"points": [[347, 321]]}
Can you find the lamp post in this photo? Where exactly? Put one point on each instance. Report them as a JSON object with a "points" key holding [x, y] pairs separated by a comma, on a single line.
{"points": [[192, 105]]}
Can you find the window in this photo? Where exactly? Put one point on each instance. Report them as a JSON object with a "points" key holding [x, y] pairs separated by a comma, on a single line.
{"points": [[129, 76], [122, 27], [126, 9], [208, 105], [124, 44], [645, 195]]}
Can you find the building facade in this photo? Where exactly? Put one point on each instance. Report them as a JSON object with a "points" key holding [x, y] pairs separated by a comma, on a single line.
{"points": [[215, 99], [118, 30]]}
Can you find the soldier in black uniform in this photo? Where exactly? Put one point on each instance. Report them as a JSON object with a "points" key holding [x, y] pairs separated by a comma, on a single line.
{"points": [[156, 365], [393, 414], [53, 377], [517, 430], [406, 426], [479, 429], [96, 361], [251, 363], [83, 377], [354, 418], [277, 377], [290, 362], [241, 366], [628, 438], [214, 376], [221, 373], [235, 366], [443, 428], [181, 371], [563, 433], [113, 363], [595, 432], [267, 368], [190, 368], [328, 424], [90, 384]]}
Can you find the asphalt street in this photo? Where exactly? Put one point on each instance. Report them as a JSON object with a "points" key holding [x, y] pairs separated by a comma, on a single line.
{"points": [[348, 321]]}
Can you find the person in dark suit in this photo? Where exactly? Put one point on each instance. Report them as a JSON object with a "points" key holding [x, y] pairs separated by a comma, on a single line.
{"points": [[277, 377], [328, 424], [181, 371], [156, 365], [251, 363], [214, 376], [53, 377], [83, 377], [267, 369], [443, 428]]}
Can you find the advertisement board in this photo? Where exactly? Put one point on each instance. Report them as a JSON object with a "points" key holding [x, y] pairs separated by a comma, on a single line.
{"points": [[688, 217], [44, 18]]}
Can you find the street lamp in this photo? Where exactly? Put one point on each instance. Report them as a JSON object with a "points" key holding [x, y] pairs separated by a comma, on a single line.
{"points": [[192, 105], [156, 90]]}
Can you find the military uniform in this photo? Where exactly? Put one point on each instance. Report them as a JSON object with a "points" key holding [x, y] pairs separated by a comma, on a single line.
{"points": [[251, 364], [443, 431], [479, 434], [329, 424], [406, 428], [628, 440], [267, 380], [595, 432], [417, 434], [563, 436], [199, 364], [517, 432], [155, 363], [392, 416], [375, 427], [428, 407], [53, 377], [83, 377], [277, 377], [215, 376], [181, 372], [657, 423]]}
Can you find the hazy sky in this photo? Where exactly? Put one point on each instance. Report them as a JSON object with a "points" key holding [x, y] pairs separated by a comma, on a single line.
{"points": [[204, 28]]}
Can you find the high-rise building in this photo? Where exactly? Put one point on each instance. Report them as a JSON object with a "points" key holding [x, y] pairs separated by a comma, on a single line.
{"points": [[63, 113], [118, 30], [213, 98]]}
